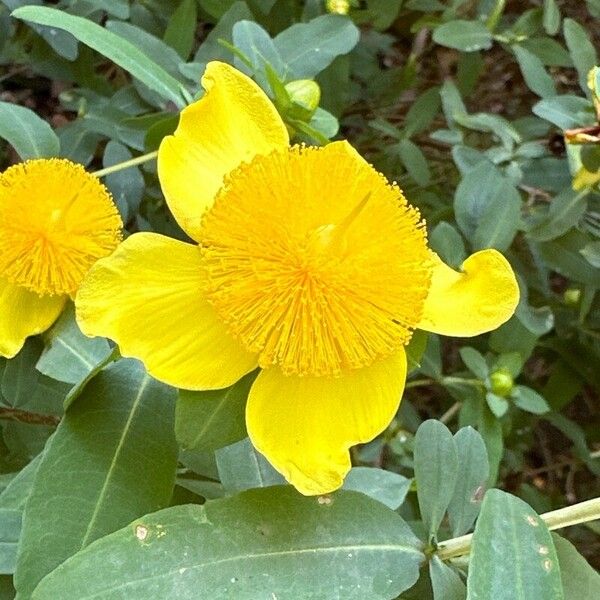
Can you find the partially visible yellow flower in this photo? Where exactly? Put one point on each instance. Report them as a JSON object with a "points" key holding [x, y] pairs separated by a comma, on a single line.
{"points": [[340, 7], [309, 265], [56, 220]]}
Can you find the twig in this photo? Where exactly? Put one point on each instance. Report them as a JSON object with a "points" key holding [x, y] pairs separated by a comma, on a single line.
{"points": [[23, 416]]}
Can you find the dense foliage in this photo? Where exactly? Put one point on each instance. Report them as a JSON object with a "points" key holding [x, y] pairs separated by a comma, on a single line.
{"points": [[487, 114]]}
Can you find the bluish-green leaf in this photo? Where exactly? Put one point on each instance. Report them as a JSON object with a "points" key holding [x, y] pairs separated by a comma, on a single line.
{"points": [[112, 459], [551, 17], [307, 48], [242, 467], [445, 581], [468, 36], [119, 50], [212, 419], [436, 469], [28, 134], [384, 486], [471, 480], [536, 77], [267, 543], [580, 581], [529, 400], [512, 553], [581, 49], [69, 355]]}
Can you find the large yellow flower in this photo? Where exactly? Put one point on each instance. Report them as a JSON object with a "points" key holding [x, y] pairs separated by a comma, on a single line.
{"points": [[309, 265], [56, 220]]}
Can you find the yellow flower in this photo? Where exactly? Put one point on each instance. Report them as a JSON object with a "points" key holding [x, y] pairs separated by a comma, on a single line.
{"points": [[56, 220], [309, 265]]}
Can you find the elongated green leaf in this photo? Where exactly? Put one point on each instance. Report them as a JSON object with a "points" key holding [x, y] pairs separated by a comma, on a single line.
{"points": [[10, 528], [112, 459], [70, 355], [436, 468], [268, 543], [385, 486], [473, 473], [445, 581], [242, 467], [119, 50], [581, 49], [551, 17], [28, 134], [307, 48], [467, 36], [512, 554], [182, 28], [536, 77], [580, 581], [212, 419]]}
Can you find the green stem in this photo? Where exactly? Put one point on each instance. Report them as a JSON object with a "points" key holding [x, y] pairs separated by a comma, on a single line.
{"points": [[495, 15], [557, 519], [138, 160]]}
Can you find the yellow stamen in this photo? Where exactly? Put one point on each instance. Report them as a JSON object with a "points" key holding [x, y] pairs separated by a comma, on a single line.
{"points": [[56, 221], [301, 281]]}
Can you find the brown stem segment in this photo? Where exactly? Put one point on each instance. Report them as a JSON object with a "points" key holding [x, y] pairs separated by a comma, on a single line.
{"points": [[24, 416]]}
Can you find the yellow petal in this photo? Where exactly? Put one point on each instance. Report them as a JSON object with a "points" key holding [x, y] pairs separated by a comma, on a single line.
{"points": [[147, 296], [305, 425], [230, 124], [478, 299], [24, 313]]}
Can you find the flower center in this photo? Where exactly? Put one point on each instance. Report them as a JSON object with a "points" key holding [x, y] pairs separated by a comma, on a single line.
{"points": [[56, 221], [315, 261]]}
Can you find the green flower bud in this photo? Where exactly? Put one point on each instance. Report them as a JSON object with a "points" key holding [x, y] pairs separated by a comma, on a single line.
{"points": [[304, 92], [502, 382], [338, 7], [572, 296]]}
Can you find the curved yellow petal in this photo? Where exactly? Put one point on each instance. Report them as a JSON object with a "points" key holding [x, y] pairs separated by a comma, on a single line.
{"points": [[478, 299], [305, 425], [230, 124], [24, 313], [147, 296]]}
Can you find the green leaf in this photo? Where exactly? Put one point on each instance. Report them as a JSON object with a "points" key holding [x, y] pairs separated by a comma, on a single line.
{"points": [[475, 362], [527, 399], [126, 186], [28, 134], [181, 30], [436, 469], [10, 529], [445, 581], [551, 17], [536, 77], [565, 211], [564, 256], [448, 243], [242, 467], [119, 50], [498, 405], [112, 459], [415, 162], [422, 112], [307, 48], [212, 419], [471, 480], [260, 544], [211, 49], [512, 553], [565, 111], [69, 355], [257, 45], [580, 581], [384, 486], [468, 36], [591, 253], [581, 49]]}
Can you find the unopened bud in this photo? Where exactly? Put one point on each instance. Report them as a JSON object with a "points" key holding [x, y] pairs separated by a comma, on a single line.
{"points": [[338, 7], [502, 382], [304, 92], [572, 296]]}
